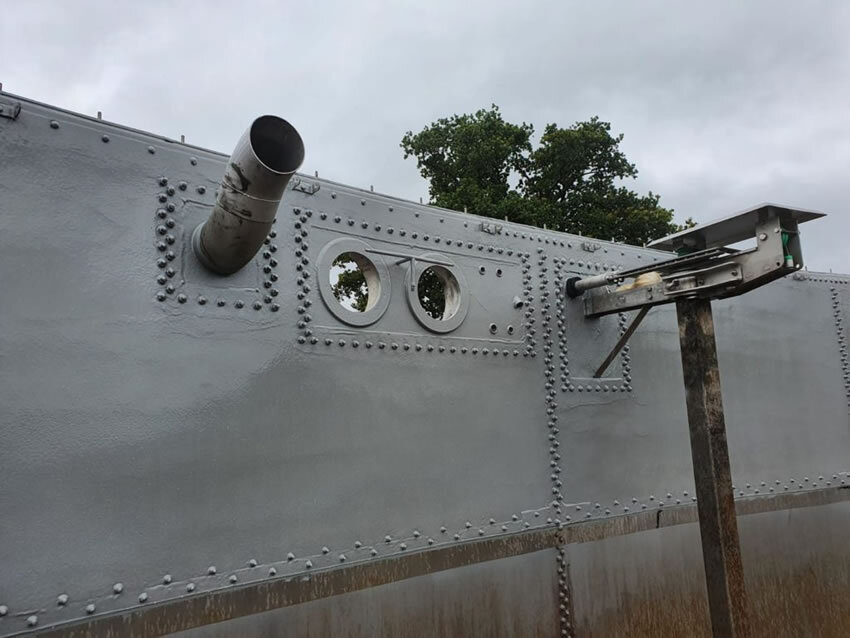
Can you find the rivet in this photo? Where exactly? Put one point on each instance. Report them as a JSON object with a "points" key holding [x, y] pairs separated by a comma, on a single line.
{"points": [[457, 537], [232, 578], [62, 600], [104, 139], [272, 571], [190, 587], [151, 150], [193, 161], [373, 552], [117, 588], [143, 597], [211, 570], [403, 546], [54, 124], [181, 298], [32, 621], [90, 608], [308, 564]]}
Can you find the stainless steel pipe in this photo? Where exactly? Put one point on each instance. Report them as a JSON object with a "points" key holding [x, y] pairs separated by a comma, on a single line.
{"points": [[265, 158]]}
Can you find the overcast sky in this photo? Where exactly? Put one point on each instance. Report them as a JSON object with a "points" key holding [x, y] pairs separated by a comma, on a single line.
{"points": [[723, 104]]}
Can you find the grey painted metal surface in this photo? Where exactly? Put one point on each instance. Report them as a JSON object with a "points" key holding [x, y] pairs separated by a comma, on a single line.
{"points": [[165, 427]]}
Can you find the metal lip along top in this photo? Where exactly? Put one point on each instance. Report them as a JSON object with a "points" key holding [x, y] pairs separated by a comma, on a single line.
{"points": [[734, 227]]}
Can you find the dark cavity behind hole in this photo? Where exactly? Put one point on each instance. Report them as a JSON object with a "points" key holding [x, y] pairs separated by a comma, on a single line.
{"points": [[277, 144]]}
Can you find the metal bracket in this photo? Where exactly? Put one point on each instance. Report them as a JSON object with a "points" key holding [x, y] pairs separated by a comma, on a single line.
{"points": [[621, 342], [491, 228], [8, 109], [308, 188], [708, 270], [404, 257]]}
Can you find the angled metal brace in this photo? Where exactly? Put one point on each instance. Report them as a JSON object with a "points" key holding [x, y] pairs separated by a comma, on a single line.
{"points": [[621, 342]]}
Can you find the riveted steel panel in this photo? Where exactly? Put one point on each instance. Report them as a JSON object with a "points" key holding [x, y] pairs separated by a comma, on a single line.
{"points": [[171, 435]]}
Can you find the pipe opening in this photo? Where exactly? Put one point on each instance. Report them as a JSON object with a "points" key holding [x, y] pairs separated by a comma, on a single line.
{"points": [[276, 144]]}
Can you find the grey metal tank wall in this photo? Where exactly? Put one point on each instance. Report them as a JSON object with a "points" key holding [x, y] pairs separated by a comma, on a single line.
{"points": [[164, 427]]}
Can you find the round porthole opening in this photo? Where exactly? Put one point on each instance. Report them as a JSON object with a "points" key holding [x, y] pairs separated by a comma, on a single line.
{"points": [[355, 282], [439, 293], [355, 288]]}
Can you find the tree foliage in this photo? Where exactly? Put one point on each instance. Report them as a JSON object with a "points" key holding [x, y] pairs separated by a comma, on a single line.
{"points": [[571, 181]]}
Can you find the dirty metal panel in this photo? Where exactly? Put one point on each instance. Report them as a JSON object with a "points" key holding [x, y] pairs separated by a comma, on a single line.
{"points": [[511, 597], [796, 564]]}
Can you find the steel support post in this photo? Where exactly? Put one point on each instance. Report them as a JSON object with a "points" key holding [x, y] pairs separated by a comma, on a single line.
{"points": [[721, 550]]}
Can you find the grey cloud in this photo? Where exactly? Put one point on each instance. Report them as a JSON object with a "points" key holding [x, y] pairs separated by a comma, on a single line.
{"points": [[723, 105]]}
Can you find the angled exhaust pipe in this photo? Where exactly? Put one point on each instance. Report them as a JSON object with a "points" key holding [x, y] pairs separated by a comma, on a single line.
{"points": [[265, 158]]}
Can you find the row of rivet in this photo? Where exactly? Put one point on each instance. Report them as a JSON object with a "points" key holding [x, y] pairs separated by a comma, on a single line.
{"points": [[307, 334], [529, 519], [824, 278], [166, 242], [302, 281], [565, 610], [290, 565], [54, 124], [837, 313], [552, 425], [567, 384], [518, 234]]}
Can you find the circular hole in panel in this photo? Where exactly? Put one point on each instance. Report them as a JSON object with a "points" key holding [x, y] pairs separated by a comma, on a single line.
{"points": [[355, 282], [438, 298], [354, 287], [438, 292]]}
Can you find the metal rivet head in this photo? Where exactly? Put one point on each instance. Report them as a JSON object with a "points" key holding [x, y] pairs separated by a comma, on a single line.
{"points": [[272, 571], [190, 587], [143, 597], [308, 564], [104, 139], [62, 600], [117, 588], [211, 570], [290, 556], [252, 563], [232, 579], [32, 621], [151, 150], [166, 580], [90, 608]]}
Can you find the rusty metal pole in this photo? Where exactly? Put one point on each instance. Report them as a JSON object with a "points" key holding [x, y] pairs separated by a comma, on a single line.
{"points": [[721, 551]]}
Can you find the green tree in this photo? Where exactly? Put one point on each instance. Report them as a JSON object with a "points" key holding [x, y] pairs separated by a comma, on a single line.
{"points": [[571, 182]]}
